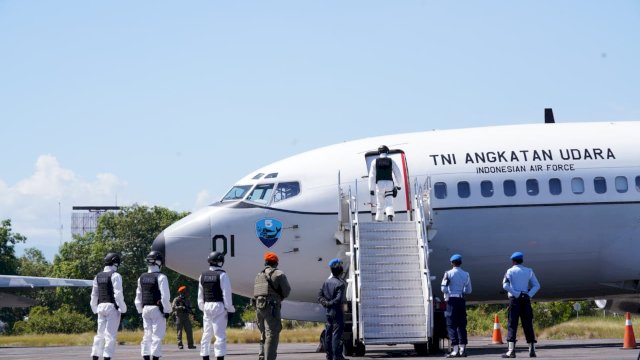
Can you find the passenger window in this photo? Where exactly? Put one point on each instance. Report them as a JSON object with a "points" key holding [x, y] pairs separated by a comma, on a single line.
{"points": [[621, 184], [637, 183], [440, 190], [237, 192], [600, 185], [486, 188], [577, 185], [261, 193], [509, 187], [555, 186], [532, 187], [286, 190], [463, 189]]}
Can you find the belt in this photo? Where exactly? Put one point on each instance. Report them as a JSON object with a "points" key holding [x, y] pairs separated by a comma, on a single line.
{"points": [[455, 295]]}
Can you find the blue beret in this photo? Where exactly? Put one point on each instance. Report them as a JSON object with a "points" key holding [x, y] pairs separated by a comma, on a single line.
{"points": [[517, 255], [455, 257], [335, 262]]}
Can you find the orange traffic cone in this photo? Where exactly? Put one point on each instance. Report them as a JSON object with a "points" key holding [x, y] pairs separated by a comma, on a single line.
{"points": [[497, 335], [629, 338]]}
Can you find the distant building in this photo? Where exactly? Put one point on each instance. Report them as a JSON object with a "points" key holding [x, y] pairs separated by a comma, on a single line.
{"points": [[84, 219]]}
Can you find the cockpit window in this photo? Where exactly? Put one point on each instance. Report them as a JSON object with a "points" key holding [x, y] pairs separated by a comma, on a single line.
{"points": [[286, 190], [261, 193], [257, 176], [271, 176], [237, 192]]}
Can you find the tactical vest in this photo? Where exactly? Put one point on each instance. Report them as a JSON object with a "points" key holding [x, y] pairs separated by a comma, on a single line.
{"points": [[210, 281], [262, 287], [150, 288], [384, 169], [105, 288]]}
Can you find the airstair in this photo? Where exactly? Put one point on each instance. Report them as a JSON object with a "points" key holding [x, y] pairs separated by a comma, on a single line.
{"points": [[389, 280]]}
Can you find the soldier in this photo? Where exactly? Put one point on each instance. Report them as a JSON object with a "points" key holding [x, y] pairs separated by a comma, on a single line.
{"points": [[521, 284], [270, 288], [107, 301], [154, 303], [381, 174], [455, 283], [215, 301], [182, 309], [332, 296]]}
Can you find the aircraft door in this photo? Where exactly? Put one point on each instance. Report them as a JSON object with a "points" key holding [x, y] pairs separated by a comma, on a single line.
{"points": [[402, 201]]}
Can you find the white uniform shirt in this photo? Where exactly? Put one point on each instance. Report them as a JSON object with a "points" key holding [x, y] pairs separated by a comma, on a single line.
{"points": [[163, 284], [456, 282], [116, 281], [517, 281], [225, 285]]}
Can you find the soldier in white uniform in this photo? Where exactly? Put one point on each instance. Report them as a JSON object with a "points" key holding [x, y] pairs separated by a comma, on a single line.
{"points": [[107, 301], [153, 301], [215, 301], [521, 284], [382, 173], [455, 284]]}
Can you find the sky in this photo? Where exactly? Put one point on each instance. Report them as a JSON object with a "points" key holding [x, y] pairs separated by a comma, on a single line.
{"points": [[169, 103]]}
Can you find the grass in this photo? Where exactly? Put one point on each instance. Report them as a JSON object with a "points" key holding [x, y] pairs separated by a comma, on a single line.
{"points": [[234, 336], [587, 328], [594, 327]]}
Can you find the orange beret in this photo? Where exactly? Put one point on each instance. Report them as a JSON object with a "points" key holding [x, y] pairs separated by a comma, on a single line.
{"points": [[270, 257], [182, 288]]}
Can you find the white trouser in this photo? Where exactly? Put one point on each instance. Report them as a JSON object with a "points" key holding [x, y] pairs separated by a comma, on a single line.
{"points": [[104, 343], [384, 195], [214, 322], [155, 326]]}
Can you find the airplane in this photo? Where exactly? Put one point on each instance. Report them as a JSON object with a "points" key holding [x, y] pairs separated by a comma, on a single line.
{"points": [[9, 284], [565, 194]]}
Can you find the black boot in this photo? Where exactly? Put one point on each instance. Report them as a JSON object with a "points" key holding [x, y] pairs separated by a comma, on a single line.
{"points": [[220, 358], [146, 357], [95, 357], [107, 358], [205, 357], [155, 358]]}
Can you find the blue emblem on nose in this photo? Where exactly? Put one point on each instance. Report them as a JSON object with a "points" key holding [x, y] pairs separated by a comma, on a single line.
{"points": [[268, 231]]}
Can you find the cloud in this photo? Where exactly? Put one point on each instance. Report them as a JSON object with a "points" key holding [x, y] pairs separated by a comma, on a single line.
{"points": [[38, 204], [202, 199]]}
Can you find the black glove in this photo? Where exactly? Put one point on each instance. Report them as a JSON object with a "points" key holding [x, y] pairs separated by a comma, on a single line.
{"points": [[398, 187], [323, 302], [371, 192], [166, 315]]}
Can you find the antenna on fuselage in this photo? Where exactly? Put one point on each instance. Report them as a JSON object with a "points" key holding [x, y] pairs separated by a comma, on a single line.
{"points": [[548, 116]]}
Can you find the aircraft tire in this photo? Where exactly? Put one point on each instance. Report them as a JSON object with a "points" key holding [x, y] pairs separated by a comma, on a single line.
{"points": [[359, 349], [422, 349]]}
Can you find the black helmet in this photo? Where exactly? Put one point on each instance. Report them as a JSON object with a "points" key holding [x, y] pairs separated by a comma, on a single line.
{"points": [[154, 258], [215, 258], [112, 259], [383, 149]]}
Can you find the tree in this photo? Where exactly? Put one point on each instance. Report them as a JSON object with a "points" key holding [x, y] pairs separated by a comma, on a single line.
{"points": [[9, 264], [129, 232], [33, 263], [8, 240]]}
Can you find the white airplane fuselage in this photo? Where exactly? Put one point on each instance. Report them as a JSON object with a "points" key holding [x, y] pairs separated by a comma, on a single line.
{"points": [[579, 228]]}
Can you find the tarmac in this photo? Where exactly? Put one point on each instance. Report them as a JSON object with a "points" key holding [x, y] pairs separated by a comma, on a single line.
{"points": [[478, 348]]}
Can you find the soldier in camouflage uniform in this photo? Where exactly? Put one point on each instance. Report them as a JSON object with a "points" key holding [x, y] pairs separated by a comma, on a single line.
{"points": [[182, 308], [270, 288]]}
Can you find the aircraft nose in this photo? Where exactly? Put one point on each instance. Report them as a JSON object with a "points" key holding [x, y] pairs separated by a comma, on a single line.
{"points": [[183, 239], [159, 243]]}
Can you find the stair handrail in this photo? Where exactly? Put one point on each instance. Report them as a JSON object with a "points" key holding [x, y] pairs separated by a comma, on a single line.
{"points": [[421, 225], [354, 264]]}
